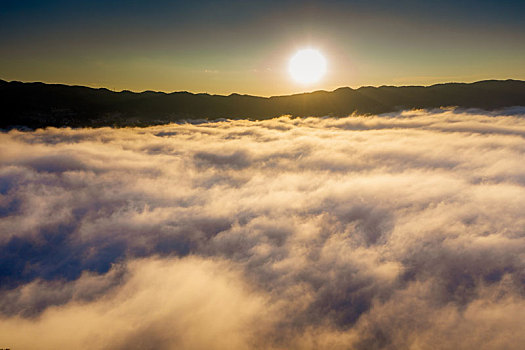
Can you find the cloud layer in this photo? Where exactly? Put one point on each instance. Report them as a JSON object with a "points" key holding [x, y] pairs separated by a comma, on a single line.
{"points": [[397, 231]]}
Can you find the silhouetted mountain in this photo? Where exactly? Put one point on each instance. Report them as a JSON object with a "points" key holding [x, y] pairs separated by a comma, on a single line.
{"points": [[38, 104]]}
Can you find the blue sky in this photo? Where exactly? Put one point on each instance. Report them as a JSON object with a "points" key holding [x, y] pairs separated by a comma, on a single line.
{"points": [[239, 46]]}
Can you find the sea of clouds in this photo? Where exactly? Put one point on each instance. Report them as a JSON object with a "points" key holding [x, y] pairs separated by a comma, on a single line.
{"points": [[399, 231]]}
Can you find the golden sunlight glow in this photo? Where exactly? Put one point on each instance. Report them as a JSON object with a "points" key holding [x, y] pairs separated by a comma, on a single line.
{"points": [[307, 66]]}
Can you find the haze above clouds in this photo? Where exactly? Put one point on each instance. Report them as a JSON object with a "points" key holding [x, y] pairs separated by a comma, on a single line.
{"points": [[403, 230]]}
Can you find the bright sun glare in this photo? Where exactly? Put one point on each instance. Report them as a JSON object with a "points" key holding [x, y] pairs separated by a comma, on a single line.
{"points": [[307, 66]]}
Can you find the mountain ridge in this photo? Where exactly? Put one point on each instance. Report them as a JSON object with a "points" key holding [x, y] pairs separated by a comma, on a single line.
{"points": [[38, 104]]}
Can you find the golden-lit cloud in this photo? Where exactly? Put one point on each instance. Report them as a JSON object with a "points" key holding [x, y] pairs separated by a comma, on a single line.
{"points": [[403, 230], [163, 304]]}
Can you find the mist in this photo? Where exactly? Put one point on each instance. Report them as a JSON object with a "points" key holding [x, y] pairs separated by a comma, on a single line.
{"points": [[395, 231]]}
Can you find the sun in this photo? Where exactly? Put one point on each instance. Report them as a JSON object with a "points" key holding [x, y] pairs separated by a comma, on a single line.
{"points": [[307, 66]]}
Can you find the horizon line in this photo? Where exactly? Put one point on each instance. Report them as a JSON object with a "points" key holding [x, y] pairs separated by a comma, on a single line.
{"points": [[249, 95]]}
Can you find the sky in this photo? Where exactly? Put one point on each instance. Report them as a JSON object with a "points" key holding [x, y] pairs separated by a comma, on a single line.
{"points": [[244, 46]]}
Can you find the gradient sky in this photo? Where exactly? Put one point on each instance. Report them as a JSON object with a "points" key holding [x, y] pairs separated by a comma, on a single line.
{"points": [[240, 46]]}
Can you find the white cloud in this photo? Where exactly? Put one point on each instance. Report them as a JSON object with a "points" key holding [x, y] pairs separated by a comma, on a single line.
{"points": [[394, 231]]}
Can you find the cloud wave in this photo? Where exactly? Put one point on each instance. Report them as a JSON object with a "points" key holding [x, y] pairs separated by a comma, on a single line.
{"points": [[403, 230]]}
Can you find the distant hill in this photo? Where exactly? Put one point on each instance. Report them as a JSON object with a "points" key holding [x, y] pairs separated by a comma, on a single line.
{"points": [[38, 105]]}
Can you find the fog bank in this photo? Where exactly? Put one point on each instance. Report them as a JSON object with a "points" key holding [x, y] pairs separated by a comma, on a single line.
{"points": [[404, 230]]}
